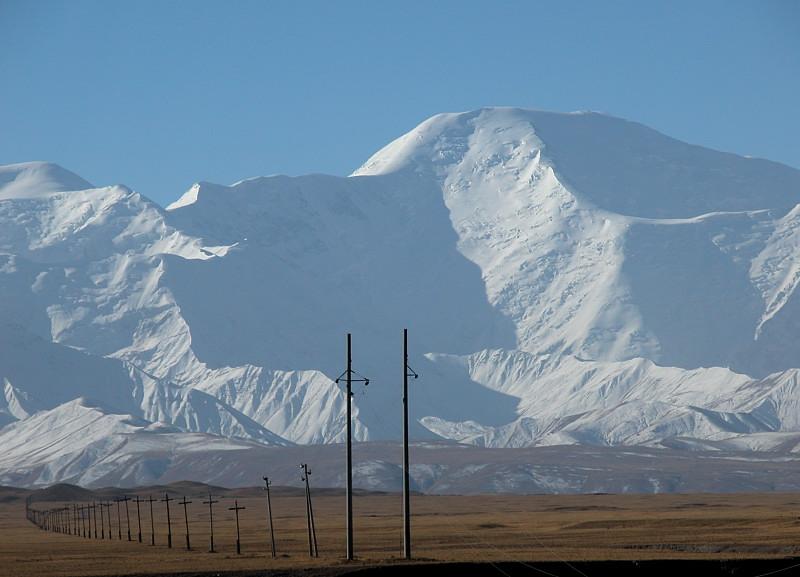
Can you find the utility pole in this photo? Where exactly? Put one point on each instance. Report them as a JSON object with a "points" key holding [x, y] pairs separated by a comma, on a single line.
{"points": [[269, 516], [94, 517], [407, 372], [107, 507], [90, 512], [237, 508], [166, 500], [125, 499], [312, 530], [349, 380], [211, 502], [186, 519], [139, 517], [119, 518], [102, 522], [108, 512], [152, 521]]}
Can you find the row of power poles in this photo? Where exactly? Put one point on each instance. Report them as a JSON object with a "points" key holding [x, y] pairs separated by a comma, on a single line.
{"points": [[81, 519], [349, 376], [75, 520]]}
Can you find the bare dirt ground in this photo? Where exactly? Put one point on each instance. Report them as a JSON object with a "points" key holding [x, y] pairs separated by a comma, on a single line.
{"points": [[510, 533]]}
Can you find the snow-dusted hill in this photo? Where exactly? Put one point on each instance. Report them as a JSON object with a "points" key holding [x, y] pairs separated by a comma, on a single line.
{"points": [[566, 278]]}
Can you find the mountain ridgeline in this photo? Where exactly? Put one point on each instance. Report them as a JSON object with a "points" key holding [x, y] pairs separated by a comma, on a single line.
{"points": [[566, 279]]}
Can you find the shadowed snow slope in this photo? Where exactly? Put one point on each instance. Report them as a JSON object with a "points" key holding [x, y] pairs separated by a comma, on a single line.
{"points": [[566, 278]]}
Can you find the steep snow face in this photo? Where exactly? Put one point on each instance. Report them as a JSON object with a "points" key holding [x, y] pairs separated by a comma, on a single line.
{"points": [[550, 260], [574, 248]]}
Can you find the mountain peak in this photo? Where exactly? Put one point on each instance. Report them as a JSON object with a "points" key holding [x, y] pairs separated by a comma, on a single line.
{"points": [[615, 164], [33, 179]]}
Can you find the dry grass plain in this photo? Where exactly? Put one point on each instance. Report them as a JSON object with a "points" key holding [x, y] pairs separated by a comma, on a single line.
{"points": [[446, 528]]}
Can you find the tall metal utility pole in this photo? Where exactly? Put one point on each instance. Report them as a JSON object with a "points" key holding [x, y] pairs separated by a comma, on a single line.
{"points": [[407, 372], [186, 518], [269, 517], [166, 500], [210, 504], [312, 530], [349, 380]]}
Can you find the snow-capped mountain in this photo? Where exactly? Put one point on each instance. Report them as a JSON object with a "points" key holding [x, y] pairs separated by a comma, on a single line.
{"points": [[566, 279]]}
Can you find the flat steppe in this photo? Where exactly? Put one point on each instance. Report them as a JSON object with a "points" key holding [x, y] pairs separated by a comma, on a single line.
{"points": [[529, 529]]}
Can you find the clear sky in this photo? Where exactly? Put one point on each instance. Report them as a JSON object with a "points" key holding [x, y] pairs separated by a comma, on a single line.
{"points": [[160, 94]]}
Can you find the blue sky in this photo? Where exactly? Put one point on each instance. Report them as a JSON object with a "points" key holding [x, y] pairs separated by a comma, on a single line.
{"points": [[159, 94]]}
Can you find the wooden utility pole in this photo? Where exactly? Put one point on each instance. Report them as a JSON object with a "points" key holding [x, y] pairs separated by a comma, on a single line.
{"points": [[269, 517], [90, 512], [119, 518], [186, 519], [407, 372], [312, 530], [211, 502], [125, 499], [166, 500], [139, 518], [236, 508], [107, 507], [94, 517], [152, 521], [349, 380]]}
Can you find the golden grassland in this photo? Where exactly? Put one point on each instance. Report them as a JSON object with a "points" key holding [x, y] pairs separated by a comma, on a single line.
{"points": [[446, 528]]}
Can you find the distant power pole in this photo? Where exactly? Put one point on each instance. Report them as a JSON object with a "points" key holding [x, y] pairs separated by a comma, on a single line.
{"points": [[94, 517], [108, 514], [312, 530], [186, 519], [139, 517], [407, 372], [211, 502], [107, 507], [125, 499], [349, 380], [269, 517], [119, 518], [92, 520], [236, 508], [166, 500], [152, 520]]}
